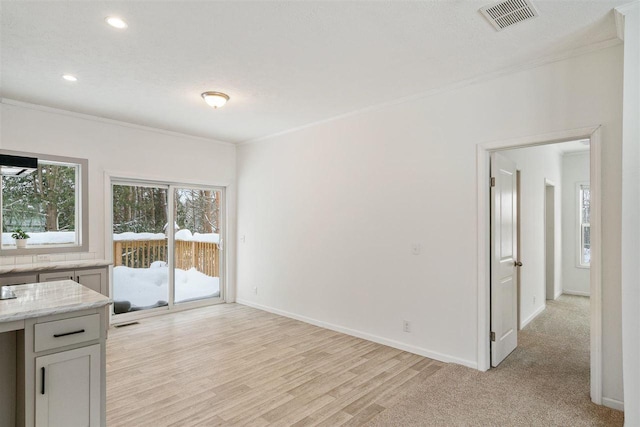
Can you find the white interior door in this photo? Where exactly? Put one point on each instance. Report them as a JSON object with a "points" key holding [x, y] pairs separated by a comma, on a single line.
{"points": [[504, 286]]}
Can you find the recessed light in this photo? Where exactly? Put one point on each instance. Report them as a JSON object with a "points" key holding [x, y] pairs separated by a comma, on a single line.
{"points": [[215, 99], [70, 78], [116, 22]]}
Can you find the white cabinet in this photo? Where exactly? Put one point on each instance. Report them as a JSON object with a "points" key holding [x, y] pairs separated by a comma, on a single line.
{"points": [[18, 279], [94, 279], [68, 388], [57, 275], [61, 369], [52, 356]]}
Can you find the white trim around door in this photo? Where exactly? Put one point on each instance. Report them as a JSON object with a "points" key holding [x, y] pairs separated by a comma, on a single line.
{"points": [[483, 152]]}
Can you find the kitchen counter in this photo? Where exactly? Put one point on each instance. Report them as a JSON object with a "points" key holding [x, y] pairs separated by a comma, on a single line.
{"points": [[47, 266], [52, 337], [45, 299]]}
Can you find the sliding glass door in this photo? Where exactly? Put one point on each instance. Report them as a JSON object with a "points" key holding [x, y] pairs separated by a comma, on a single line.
{"points": [[167, 246], [198, 243], [140, 247]]}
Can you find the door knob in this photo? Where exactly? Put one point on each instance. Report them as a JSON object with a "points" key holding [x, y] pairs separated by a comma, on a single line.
{"points": [[517, 264]]}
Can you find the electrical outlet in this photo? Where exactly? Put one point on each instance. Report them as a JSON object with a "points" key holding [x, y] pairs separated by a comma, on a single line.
{"points": [[416, 248], [534, 300], [243, 238], [406, 326], [255, 290], [43, 258]]}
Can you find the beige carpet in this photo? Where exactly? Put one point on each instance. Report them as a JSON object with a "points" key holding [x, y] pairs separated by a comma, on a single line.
{"points": [[544, 382]]}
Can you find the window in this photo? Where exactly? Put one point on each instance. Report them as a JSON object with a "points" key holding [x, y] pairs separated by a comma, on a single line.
{"points": [[584, 207], [49, 204]]}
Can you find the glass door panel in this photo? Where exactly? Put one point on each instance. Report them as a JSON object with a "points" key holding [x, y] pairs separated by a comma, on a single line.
{"points": [[140, 247], [198, 243]]}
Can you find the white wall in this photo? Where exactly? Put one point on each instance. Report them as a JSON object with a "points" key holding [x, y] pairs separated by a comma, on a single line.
{"points": [[537, 164], [630, 209], [122, 150], [575, 169], [330, 212]]}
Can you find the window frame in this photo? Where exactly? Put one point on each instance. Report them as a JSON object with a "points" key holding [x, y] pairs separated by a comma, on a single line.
{"points": [[82, 207], [580, 225]]}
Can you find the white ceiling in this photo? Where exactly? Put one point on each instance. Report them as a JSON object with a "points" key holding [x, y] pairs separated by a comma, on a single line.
{"points": [[284, 64]]}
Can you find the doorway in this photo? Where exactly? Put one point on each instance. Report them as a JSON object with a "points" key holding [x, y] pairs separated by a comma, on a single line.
{"points": [[484, 245], [550, 239], [167, 242]]}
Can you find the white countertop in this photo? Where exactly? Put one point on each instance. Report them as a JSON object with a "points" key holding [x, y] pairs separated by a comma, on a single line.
{"points": [[60, 265], [47, 298]]}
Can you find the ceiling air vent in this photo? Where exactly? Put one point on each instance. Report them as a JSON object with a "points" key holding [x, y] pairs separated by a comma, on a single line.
{"points": [[506, 13]]}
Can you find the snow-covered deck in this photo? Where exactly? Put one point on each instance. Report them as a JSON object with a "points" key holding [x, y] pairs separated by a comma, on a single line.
{"points": [[141, 274], [139, 250], [149, 287]]}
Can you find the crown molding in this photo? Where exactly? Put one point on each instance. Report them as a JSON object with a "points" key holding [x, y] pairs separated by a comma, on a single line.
{"points": [[549, 59], [628, 7], [52, 110], [619, 15]]}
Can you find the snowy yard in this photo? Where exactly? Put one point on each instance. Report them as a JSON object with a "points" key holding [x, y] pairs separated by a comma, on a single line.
{"points": [[42, 238], [144, 287], [181, 235]]}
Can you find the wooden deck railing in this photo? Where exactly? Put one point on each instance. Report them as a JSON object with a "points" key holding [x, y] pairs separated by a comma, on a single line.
{"points": [[204, 256]]}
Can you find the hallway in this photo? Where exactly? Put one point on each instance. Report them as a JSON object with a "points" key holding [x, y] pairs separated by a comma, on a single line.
{"points": [[544, 382]]}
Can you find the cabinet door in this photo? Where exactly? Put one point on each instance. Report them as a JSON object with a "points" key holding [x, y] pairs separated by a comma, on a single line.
{"points": [[68, 388], [95, 279], [55, 275], [18, 279]]}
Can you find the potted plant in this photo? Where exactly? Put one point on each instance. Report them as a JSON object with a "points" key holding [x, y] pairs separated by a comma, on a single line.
{"points": [[20, 237]]}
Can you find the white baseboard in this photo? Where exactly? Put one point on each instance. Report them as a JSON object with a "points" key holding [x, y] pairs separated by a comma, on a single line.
{"points": [[613, 403], [364, 335], [535, 314], [579, 293]]}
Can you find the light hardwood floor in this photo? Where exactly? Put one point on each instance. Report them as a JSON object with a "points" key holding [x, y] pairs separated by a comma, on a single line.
{"points": [[235, 365]]}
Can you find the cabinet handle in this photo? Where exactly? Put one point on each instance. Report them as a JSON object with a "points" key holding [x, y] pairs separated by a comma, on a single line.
{"points": [[68, 333], [42, 382]]}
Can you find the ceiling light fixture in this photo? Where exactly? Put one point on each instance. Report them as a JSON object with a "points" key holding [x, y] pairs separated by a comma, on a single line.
{"points": [[116, 22], [70, 78], [215, 99]]}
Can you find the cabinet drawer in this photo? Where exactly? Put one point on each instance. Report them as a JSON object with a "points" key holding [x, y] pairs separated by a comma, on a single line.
{"points": [[59, 333]]}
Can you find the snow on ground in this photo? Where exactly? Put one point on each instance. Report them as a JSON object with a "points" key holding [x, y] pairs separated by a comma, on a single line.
{"points": [[183, 235], [43, 238], [138, 236], [186, 236], [62, 237], [147, 286]]}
